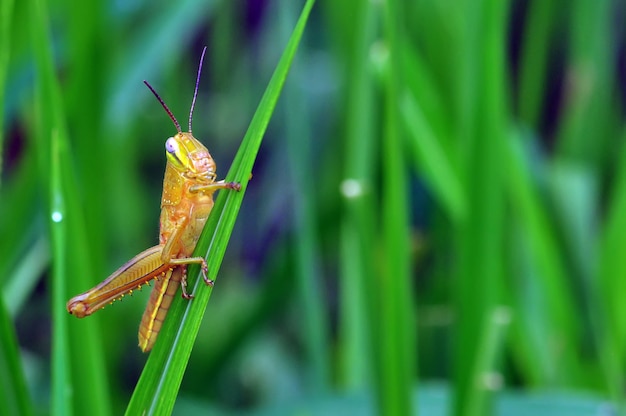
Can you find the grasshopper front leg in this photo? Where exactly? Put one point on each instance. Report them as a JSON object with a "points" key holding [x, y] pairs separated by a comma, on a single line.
{"points": [[215, 186]]}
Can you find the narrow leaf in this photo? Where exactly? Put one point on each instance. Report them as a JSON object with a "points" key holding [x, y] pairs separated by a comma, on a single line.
{"points": [[160, 381]]}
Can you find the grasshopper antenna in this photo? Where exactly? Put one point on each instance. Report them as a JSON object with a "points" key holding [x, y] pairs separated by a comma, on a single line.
{"points": [[169, 113], [195, 92]]}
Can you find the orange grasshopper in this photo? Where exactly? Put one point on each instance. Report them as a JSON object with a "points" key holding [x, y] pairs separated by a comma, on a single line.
{"points": [[187, 200]]}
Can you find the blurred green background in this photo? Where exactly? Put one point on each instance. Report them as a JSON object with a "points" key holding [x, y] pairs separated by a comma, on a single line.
{"points": [[436, 223]]}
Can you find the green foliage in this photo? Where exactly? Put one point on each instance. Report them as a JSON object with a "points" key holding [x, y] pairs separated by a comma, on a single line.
{"points": [[439, 196]]}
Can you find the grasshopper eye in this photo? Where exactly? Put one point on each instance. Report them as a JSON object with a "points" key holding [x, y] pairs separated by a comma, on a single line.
{"points": [[174, 154], [171, 146]]}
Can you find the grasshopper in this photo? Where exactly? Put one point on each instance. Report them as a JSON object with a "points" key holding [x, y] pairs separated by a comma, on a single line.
{"points": [[187, 200]]}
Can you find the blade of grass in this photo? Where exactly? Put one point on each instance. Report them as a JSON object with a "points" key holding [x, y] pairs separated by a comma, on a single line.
{"points": [[357, 224], [612, 275], [482, 129], [61, 399], [86, 64], [66, 230], [51, 134], [491, 344], [396, 326], [160, 381]]}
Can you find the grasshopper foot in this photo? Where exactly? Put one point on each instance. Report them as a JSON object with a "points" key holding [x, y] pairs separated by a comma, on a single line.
{"points": [[205, 273], [183, 286]]}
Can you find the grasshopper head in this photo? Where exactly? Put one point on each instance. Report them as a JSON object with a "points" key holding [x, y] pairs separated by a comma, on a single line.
{"points": [[190, 157], [184, 152]]}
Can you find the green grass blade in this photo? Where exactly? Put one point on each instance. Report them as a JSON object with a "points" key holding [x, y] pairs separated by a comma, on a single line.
{"points": [[483, 109], [158, 386], [86, 64], [357, 224], [612, 285], [52, 136], [61, 400], [491, 343], [395, 341], [76, 354]]}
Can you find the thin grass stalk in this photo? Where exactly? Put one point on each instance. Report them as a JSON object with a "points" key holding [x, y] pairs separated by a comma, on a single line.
{"points": [[491, 345], [585, 137], [483, 109], [160, 381], [357, 235], [612, 284], [61, 399], [468, 307], [85, 100], [66, 230], [51, 130], [396, 339]]}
